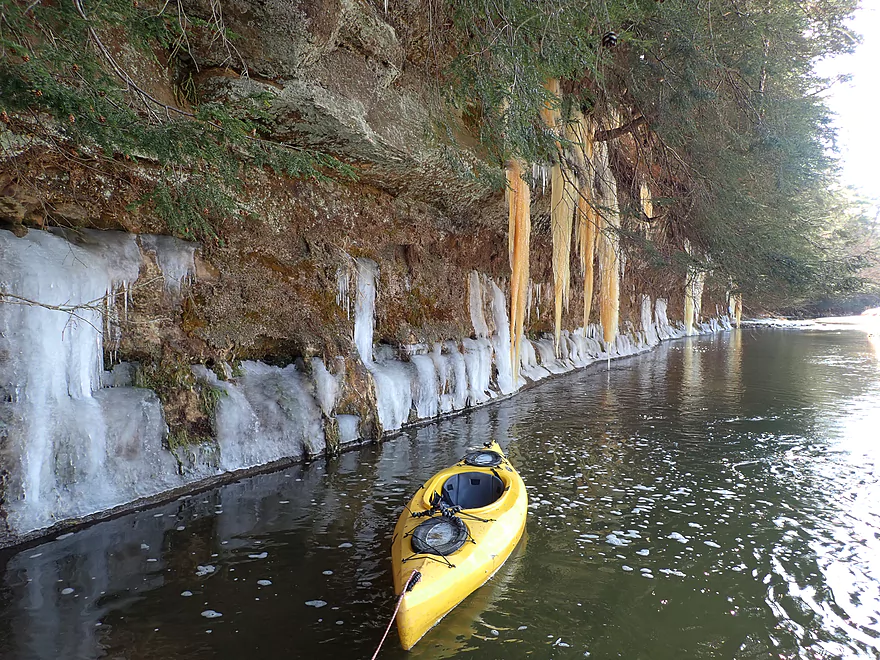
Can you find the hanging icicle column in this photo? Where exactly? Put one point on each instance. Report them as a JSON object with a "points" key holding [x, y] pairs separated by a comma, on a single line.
{"points": [[734, 305], [580, 133], [693, 296], [646, 200], [689, 304], [608, 242], [519, 229], [562, 196]]}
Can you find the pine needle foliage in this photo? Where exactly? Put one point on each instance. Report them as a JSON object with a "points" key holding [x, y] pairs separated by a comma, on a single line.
{"points": [[731, 132], [58, 71]]}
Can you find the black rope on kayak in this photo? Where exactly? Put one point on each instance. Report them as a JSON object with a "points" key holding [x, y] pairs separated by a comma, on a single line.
{"points": [[414, 515], [427, 513], [450, 511], [424, 555], [411, 581], [477, 518], [438, 505]]}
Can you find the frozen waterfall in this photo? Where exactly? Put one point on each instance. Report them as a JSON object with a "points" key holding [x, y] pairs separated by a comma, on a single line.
{"points": [[75, 448]]}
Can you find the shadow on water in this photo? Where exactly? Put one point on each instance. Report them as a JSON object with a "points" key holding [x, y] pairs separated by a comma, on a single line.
{"points": [[716, 498]]}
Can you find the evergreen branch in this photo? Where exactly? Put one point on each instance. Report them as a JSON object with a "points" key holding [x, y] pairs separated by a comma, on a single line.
{"points": [[127, 79]]}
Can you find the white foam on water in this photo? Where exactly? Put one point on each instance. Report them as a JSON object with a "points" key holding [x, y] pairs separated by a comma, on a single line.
{"points": [[613, 539]]}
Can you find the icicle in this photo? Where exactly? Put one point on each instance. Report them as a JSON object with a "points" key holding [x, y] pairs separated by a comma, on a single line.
{"points": [[562, 195], [699, 282], [689, 307], [609, 245], [646, 200], [520, 226], [475, 299], [734, 307], [693, 295], [326, 386], [537, 300], [365, 309], [343, 299], [529, 302], [268, 413], [581, 135], [504, 369], [649, 327], [175, 258], [71, 447]]}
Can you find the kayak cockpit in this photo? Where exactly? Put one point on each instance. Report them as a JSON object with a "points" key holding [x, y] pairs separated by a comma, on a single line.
{"points": [[472, 490]]}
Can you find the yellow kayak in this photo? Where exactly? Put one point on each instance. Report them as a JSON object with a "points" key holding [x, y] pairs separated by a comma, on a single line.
{"points": [[458, 529]]}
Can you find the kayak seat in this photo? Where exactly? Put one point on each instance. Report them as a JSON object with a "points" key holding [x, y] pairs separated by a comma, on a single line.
{"points": [[472, 490]]}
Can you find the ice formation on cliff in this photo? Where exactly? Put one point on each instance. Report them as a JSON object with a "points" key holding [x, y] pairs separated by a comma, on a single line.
{"points": [[175, 258], [82, 440], [75, 447]]}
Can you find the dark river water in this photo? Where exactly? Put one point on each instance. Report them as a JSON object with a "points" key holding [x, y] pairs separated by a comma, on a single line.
{"points": [[716, 498]]}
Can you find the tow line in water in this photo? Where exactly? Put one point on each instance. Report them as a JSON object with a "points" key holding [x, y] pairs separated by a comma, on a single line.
{"points": [[414, 577]]}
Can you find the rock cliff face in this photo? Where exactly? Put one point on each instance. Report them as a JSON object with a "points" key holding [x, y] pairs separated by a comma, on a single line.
{"points": [[338, 78], [256, 346]]}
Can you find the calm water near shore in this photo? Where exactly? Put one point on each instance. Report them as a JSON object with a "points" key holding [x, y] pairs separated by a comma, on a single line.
{"points": [[718, 497]]}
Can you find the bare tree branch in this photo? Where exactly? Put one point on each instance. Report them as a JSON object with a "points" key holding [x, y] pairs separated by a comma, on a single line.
{"points": [[604, 136]]}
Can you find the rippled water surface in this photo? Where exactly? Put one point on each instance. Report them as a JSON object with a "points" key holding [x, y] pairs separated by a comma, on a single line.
{"points": [[716, 498]]}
